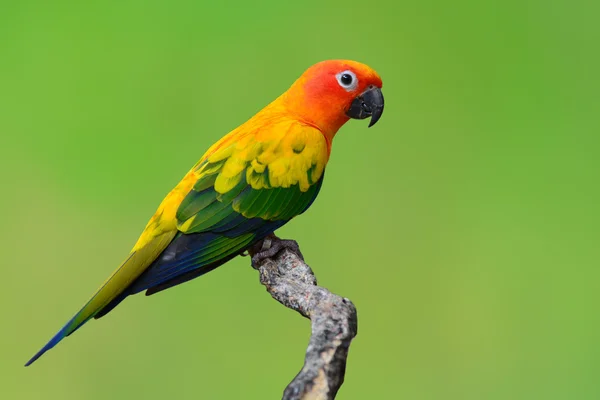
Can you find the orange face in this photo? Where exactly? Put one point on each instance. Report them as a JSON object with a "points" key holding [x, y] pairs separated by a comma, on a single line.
{"points": [[331, 92]]}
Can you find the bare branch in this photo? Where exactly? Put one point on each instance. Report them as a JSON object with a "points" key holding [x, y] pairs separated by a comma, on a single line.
{"points": [[334, 322]]}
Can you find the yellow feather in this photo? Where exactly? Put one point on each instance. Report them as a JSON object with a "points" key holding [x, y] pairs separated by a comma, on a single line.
{"points": [[233, 166]]}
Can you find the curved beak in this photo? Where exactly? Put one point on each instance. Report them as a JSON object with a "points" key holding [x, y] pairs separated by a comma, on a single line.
{"points": [[368, 104]]}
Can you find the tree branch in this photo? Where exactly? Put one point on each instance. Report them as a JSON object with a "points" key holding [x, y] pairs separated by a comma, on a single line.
{"points": [[334, 322]]}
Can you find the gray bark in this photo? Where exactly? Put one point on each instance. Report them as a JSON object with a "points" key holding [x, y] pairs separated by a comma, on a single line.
{"points": [[334, 322]]}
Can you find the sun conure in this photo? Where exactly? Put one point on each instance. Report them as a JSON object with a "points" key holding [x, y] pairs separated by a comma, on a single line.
{"points": [[248, 184]]}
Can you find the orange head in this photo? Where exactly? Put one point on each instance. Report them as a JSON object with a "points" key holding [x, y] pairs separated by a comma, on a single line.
{"points": [[331, 92]]}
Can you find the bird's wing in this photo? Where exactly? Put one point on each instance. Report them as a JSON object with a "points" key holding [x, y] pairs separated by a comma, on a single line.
{"points": [[243, 192]]}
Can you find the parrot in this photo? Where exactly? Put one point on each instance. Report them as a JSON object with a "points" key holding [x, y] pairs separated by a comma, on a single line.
{"points": [[249, 183]]}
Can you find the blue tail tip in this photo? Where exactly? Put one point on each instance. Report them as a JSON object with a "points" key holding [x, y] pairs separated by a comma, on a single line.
{"points": [[53, 342], [37, 355]]}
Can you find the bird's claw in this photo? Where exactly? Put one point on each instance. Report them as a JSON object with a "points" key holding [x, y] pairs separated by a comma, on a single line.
{"points": [[276, 247]]}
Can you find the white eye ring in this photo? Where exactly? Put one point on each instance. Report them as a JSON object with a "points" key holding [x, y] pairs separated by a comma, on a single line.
{"points": [[347, 80]]}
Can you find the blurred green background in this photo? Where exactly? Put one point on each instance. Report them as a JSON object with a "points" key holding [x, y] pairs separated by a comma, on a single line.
{"points": [[464, 226]]}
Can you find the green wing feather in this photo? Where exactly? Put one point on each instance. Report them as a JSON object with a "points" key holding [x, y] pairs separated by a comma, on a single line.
{"points": [[270, 179], [242, 193]]}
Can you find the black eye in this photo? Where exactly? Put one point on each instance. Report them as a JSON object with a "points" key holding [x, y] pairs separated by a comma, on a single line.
{"points": [[346, 79]]}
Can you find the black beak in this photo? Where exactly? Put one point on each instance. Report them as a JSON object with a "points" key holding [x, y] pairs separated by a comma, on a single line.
{"points": [[368, 104]]}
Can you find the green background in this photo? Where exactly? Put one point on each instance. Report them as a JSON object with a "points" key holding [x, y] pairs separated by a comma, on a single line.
{"points": [[464, 225]]}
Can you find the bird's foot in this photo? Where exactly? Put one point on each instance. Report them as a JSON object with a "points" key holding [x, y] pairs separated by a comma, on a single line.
{"points": [[273, 246]]}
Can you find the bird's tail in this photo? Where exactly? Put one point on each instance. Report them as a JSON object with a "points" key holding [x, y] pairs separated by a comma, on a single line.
{"points": [[102, 297], [114, 286], [70, 327]]}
